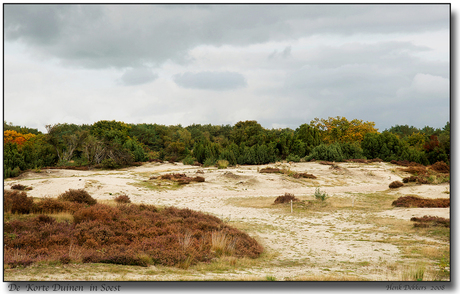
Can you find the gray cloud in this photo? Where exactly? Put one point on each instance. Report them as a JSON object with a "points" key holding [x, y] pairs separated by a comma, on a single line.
{"points": [[210, 80], [101, 36], [137, 76]]}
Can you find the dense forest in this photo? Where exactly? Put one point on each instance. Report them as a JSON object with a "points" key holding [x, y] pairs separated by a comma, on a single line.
{"points": [[114, 144]]}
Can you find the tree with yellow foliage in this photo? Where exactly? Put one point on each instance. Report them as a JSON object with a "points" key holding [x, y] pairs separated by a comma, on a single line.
{"points": [[11, 136], [339, 129]]}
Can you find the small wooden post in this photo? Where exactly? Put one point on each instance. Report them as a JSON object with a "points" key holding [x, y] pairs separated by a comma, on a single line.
{"points": [[291, 206]]}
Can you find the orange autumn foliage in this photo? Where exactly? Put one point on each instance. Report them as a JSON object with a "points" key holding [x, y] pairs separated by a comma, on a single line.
{"points": [[15, 137]]}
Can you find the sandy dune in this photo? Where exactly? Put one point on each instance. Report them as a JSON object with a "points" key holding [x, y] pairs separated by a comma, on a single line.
{"points": [[330, 240]]}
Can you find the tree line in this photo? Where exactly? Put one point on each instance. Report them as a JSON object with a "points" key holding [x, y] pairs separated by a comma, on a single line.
{"points": [[114, 144]]}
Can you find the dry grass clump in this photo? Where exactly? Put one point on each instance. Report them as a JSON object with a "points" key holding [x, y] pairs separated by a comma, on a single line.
{"points": [[79, 196], [326, 162], [440, 167], [286, 198], [431, 221], [122, 199], [304, 175], [415, 201], [396, 184], [127, 234], [179, 178]]}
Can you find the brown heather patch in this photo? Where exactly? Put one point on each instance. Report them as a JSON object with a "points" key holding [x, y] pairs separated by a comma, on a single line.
{"points": [[440, 167], [431, 221], [415, 170], [286, 198], [270, 170], [406, 163], [179, 178], [396, 184], [127, 234], [415, 201]]}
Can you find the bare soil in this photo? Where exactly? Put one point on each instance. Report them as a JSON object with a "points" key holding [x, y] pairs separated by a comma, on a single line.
{"points": [[346, 241]]}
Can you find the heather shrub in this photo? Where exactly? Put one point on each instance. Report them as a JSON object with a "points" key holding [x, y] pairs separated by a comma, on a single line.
{"points": [[286, 198], [79, 196], [396, 184], [127, 234], [49, 205], [122, 199], [415, 201], [440, 167], [97, 212], [17, 202], [410, 179], [270, 170], [434, 221], [18, 187]]}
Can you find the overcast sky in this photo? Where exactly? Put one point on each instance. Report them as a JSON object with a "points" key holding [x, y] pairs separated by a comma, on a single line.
{"points": [[282, 65]]}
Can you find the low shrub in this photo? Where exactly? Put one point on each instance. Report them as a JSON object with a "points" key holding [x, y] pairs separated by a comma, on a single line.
{"points": [[415, 201], [17, 202], [396, 184], [293, 158], [440, 167], [433, 221], [19, 187], [410, 179], [270, 170], [415, 170], [109, 163], [222, 164], [49, 205], [286, 198], [179, 178], [320, 195], [122, 199], [188, 160], [79, 196]]}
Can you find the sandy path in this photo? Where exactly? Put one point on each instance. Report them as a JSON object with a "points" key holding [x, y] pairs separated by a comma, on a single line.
{"points": [[305, 246]]}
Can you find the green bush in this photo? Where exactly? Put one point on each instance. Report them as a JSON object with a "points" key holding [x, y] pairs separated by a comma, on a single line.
{"points": [[109, 163], [331, 152], [210, 161], [188, 160], [293, 158]]}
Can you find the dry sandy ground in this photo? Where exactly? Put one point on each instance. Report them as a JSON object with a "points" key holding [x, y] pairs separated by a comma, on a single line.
{"points": [[331, 243]]}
